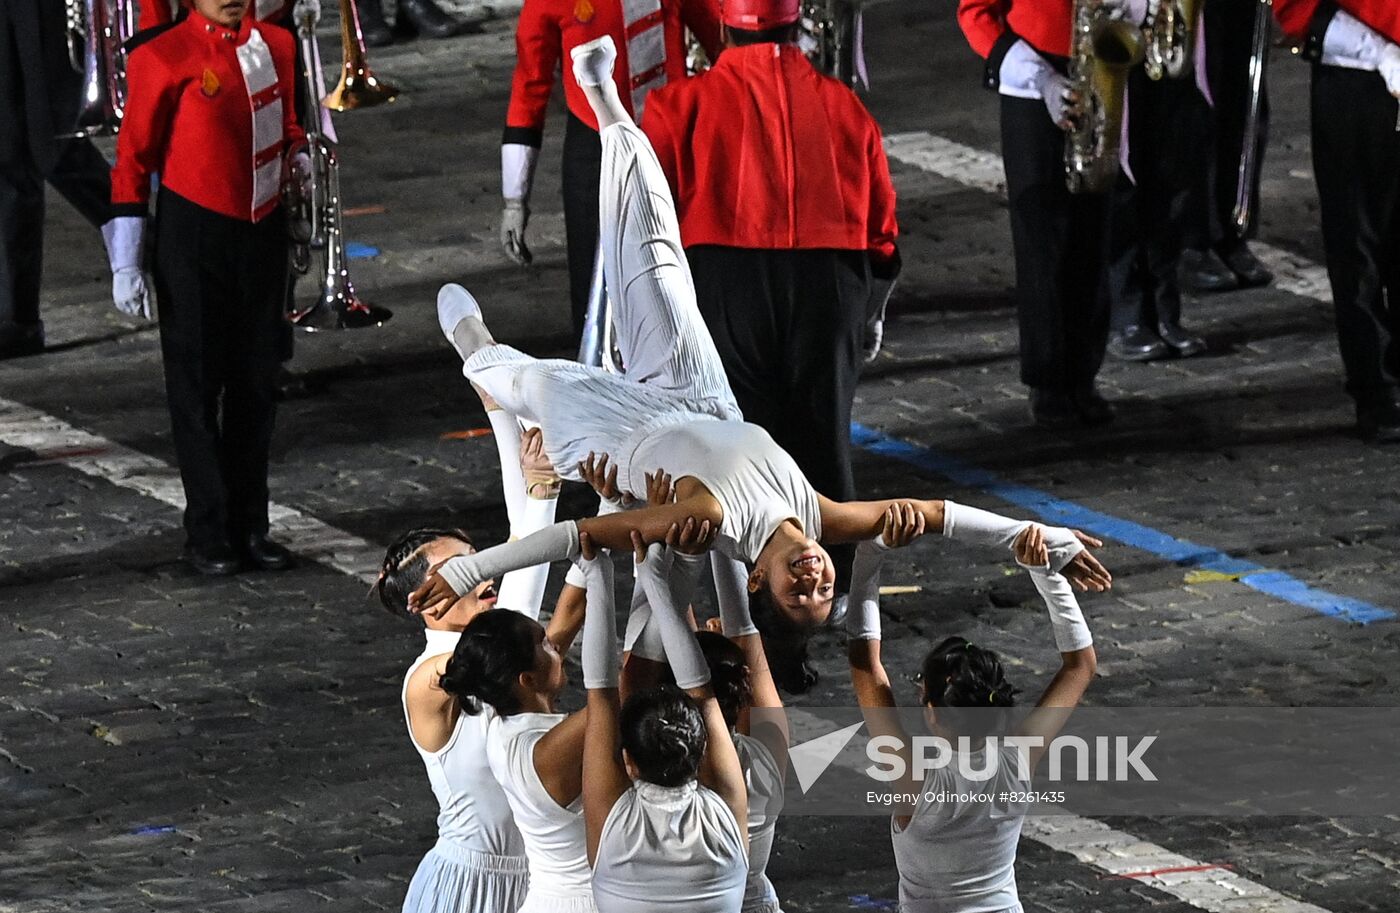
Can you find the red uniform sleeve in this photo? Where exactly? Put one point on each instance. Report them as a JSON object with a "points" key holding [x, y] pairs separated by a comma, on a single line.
{"points": [[153, 13], [702, 18], [1295, 17], [152, 95], [538, 47], [656, 124], [880, 222], [982, 23]]}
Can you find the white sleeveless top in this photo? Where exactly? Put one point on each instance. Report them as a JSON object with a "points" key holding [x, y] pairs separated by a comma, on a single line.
{"points": [[554, 836], [765, 786], [473, 812], [755, 481], [960, 857], [673, 847]]}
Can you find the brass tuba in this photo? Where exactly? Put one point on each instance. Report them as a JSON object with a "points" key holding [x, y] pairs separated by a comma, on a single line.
{"points": [[1102, 51], [314, 219], [96, 31], [1171, 38]]}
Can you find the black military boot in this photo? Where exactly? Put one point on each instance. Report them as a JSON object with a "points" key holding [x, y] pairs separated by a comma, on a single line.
{"points": [[373, 27]]}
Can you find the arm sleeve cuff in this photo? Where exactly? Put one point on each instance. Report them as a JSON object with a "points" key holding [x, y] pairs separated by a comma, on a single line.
{"points": [[991, 75], [523, 136]]}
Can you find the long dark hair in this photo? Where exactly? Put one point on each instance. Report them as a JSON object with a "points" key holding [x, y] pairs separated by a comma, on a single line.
{"points": [[785, 642], [495, 648], [664, 734], [405, 566], [964, 681], [729, 674]]}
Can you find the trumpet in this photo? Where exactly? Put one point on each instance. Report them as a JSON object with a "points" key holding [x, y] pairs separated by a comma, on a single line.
{"points": [[314, 215], [1102, 51], [96, 31], [1171, 38]]}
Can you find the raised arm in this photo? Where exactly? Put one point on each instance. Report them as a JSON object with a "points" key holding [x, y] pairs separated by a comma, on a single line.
{"points": [[869, 680], [605, 777], [719, 768], [556, 543], [765, 720], [858, 521], [1078, 661]]}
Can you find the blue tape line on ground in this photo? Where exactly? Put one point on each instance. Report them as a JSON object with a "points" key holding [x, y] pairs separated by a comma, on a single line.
{"points": [[356, 251], [1066, 513]]}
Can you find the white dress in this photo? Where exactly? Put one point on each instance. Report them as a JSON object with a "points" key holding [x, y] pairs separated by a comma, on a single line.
{"points": [[960, 857], [670, 848], [560, 880], [764, 778], [478, 864]]}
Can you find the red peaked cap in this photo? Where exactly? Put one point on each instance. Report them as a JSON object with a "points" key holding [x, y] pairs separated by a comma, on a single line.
{"points": [[758, 15]]}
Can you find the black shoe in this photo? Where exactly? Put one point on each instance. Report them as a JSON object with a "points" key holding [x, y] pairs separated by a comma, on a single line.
{"points": [[426, 18], [1093, 409], [373, 26], [267, 554], [1246, 267], [1053, 409], [1379, 423], [1204, 271], [216, 560], [1137, 343], [20, 339], [1184, 343]]}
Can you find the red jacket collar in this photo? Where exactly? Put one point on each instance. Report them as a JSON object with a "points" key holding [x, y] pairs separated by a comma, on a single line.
{"points": [[213, 31]]}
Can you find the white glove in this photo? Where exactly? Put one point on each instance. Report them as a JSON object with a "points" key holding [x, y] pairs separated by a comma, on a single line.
{"points": [[130, 287], [307, 8], [1134, 11], [514, 217], [131, 292], [1351, 43], [1055, 92], [1390, 68], [300, 167]]}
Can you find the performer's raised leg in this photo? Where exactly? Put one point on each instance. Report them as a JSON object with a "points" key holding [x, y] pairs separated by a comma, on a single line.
{"points": [[662, 337]]}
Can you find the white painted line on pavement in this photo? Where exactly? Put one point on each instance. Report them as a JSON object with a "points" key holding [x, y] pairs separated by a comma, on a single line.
{"points": [[983, 171], [30, 429]]}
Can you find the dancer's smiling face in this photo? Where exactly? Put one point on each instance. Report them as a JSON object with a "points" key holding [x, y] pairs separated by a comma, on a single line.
{"points": [[800, 577]]}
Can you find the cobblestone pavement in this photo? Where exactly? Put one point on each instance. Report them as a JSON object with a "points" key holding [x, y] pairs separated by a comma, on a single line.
{"points": [[172, 743]]}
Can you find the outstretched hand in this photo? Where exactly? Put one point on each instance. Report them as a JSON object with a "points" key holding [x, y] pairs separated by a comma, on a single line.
{"points": [[434, 597], [659, 489], [1084, 570], [692, 538], [603, 477]]}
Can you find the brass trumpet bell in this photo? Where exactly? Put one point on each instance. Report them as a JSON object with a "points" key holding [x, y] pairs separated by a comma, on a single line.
{"points": [[358, 87]]}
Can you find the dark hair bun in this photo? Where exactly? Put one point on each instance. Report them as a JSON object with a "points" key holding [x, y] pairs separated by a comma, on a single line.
{"points": [[494, 649], [664, 734], [959, 674], [729, 673]]}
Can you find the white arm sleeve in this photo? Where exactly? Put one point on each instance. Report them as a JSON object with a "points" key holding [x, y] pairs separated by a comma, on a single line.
{"points": [[518, 170], [643, 637], [863, 614], [682, 652], [1349, 42], [1071, 631], [732, 591], [971, 524], [553, 543], [600, 665]]}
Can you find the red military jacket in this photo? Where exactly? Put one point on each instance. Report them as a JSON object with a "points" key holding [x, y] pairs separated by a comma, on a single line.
{"points": [[1300, 19], [992, 27], [549, 29], [765, 152], [161, 12], [210, 110]]}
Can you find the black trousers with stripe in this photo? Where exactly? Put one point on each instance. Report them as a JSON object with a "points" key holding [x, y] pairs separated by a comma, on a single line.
{"points": [[582, 170], [221, 288]]}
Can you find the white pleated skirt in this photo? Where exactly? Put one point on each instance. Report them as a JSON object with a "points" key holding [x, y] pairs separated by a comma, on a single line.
{"points": [[454, 879]]}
